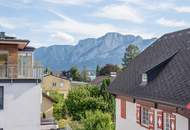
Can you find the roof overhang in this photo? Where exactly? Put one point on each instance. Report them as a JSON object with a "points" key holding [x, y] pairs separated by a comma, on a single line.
{"points": [[21, 43]]}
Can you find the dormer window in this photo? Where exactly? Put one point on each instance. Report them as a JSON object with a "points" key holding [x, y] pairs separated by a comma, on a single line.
{"points": [[144, 79]]}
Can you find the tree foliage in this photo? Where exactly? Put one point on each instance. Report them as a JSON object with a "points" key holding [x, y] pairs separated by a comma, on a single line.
{"points": [[92, 106], [82, 99], [131, 52], [97, 120], [107, 69], [84, 74], [59, 108], [97, 70], [75, 74], [107, 96]]}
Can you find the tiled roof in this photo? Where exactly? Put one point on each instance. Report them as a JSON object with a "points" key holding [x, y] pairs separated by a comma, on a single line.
{"points": [[167, 63]]}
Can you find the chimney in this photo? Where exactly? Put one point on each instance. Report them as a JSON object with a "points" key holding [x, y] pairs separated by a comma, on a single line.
{"points": [[2, 35]]}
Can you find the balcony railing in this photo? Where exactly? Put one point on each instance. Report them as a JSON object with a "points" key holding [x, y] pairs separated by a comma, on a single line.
{"points": [[14, 71]]}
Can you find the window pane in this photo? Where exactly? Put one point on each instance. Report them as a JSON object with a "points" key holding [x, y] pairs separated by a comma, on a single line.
{"points": [[166, 121], [1, 97], [145, 116]]}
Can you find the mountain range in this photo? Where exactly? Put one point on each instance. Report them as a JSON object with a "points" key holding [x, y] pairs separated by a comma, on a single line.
{"points": [[108, 49]]}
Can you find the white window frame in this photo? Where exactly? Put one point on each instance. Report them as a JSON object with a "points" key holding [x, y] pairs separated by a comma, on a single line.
{"points": [[144, 78], [61, 84], [166, 121], [25, 69], [146, 124]]}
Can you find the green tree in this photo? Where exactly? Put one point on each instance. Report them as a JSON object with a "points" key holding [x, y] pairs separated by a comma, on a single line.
{"points": [[107, 69], [46, 71], [84, 74], [82, 99], [97, 120], [109, 98], [131, 52], [104, 89], [59, 108], [98, 70], [56, 96], [75, 74]]}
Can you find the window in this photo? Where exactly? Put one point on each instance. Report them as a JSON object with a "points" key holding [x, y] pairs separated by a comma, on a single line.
{"points": [[123, 108], [144, 78], [1, 97], [166, 121], [25, 64], [54, 84], [144, 116], [61, 84]]}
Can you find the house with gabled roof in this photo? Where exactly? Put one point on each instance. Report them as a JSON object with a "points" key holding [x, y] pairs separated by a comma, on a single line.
{"points": [[20, 88], [154, 92], [52, 83]]}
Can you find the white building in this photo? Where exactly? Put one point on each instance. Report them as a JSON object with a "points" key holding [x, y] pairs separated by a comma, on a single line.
{"points": [[20, 90], [154, 92]]}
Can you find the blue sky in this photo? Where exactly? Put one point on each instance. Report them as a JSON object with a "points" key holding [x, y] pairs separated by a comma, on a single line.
{"points": [[48, 22]]}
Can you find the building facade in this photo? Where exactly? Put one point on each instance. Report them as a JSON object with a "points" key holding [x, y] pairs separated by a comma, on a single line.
{"points": [[126, 117], [47, 106], [47, 119], [55, 83], [154, 92], [20, 90]]}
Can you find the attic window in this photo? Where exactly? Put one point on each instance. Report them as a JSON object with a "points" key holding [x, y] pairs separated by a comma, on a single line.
{"points": [[144, 79]]}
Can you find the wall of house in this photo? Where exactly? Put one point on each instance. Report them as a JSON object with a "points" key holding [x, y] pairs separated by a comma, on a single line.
{"points": [[12, 51], [130, 122], [47, 107], [47, 84], [181, 122], [21, 106]]}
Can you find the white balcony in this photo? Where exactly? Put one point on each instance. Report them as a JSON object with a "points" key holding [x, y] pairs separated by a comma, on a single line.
{"points": [[14, 71]]}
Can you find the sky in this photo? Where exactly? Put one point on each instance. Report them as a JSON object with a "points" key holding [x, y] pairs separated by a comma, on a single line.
{"points": [[65, 22]]}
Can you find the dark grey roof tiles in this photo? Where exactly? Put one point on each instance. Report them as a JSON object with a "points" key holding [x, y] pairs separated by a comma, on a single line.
{"points": [[168, 61]]}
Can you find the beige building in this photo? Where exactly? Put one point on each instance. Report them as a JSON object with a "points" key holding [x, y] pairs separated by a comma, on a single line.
{"points": [[47, 119], [55, 83], [47, 106]]}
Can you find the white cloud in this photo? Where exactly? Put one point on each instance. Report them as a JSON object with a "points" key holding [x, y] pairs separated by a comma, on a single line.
{"points": [[158, 5], [73, 26], [120, 12], [6, 25], [183, 9], [80, 30], [73, 2], [63, 37], [12, 22], [171, 23]]}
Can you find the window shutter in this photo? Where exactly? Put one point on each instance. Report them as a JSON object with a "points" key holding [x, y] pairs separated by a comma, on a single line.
{"points": [[138, 114], [172, 122], [151, 119], [123, 108], [160, 120]]}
